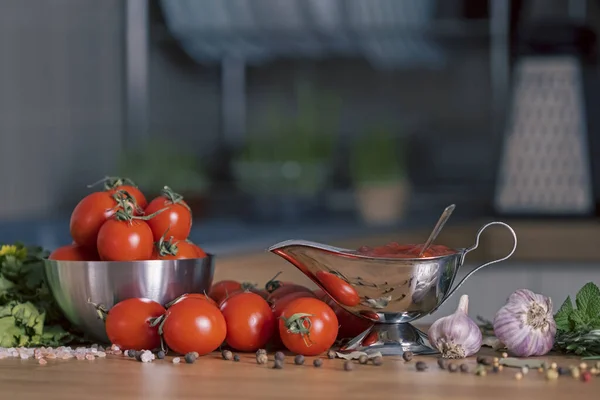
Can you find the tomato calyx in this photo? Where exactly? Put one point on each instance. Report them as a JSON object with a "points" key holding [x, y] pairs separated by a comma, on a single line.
{"points": [[127, 206], [173, 197], [169, 304], [166, 247], [299, 324], [126, 201], [100, 310], [113, 182], [273, 284]]}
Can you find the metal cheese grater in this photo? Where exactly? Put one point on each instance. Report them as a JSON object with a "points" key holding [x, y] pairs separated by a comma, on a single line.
{"points": [[545, 167]]}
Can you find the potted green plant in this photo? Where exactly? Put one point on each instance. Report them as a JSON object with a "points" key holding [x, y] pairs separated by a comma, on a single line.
{"points": [[378, 170], [285, 163], [160, 162]]}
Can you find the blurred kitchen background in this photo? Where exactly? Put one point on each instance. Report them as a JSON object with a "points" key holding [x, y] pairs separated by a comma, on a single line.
{"points": [[321, 119]]}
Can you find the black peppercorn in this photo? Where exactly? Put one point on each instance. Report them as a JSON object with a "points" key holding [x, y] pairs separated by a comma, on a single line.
{"points": [[495, 368], [452, 367], [442, 363], [485, 360], [348, 366], [407, 355], [562, 371], [299, 359], [279, 356], [160, 355], [318, 362], [464, 368], [236, 358], [138, 355], [278, 364], [421, 366], [131, 353], [190, 358]]}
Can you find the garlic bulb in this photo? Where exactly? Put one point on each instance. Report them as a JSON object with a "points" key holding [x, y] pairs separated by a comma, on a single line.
{"points": [[457, 335], [525, 324]]}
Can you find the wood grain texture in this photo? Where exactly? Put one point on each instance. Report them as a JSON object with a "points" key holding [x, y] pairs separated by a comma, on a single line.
{"points": [[213, 378]]}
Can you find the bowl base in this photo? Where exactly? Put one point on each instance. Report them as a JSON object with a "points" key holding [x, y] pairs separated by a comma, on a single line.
{"points": [[391, 340]]}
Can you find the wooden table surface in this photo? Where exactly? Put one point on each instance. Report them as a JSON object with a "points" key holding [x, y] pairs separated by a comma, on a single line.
{"points": [[118, 377]]}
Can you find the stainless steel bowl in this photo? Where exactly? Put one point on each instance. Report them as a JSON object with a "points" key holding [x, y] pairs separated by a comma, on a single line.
{"points": [[74, 283]]}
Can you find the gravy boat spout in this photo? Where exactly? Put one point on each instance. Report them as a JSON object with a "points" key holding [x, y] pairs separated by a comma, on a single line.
{"points": [[389, 291]]}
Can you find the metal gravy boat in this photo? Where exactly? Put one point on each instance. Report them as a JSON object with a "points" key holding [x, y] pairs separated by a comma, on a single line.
{"points": [[390, 292]]}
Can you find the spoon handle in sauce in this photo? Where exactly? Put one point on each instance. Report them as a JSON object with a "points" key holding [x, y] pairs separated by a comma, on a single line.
{"points": [[438, 228]]}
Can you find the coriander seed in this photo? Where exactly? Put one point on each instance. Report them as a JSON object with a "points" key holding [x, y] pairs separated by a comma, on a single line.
{"points": [[518, 376], [480, 371], [318, 362], [505, 355], [348, 365], [553, 365], [407, 355], [363, 359], [377, 360], [299, 359], [594, 371], [227, 355], [575, 373], [524, 370], [421, 366], [583, 366], [331, 354], [551, 375]]}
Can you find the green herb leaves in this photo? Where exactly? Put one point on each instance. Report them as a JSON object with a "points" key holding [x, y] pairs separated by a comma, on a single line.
{"points": [[587, 314], [28, 314], [578, 328]]}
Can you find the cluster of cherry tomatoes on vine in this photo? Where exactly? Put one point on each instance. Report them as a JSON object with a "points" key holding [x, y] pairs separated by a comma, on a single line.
{"points": [[237, 315], [118, 224]]}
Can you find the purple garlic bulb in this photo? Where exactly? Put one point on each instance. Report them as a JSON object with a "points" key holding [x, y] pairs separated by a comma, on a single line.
{"points": [[525, 324]]}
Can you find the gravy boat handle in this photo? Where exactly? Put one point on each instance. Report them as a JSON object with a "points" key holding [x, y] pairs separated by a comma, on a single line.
{"points": [[467, 250]]}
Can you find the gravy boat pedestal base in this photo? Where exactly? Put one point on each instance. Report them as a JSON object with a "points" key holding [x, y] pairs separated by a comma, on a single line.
{"points": [[390, 340], [389, 292]]}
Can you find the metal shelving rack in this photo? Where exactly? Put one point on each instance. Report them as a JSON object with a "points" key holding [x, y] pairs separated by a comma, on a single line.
{"points": [[233, 84]]}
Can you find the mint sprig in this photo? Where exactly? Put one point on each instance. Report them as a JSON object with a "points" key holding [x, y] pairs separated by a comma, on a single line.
{"points": [[575, 323]]}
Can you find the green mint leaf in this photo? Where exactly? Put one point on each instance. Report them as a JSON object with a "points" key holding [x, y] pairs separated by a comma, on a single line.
{"points": [[562, 316], [578, 320], [588, 301]]}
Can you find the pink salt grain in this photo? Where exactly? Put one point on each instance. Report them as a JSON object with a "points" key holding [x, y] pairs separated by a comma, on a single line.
{"points": [[41, 361], [90, 357]]}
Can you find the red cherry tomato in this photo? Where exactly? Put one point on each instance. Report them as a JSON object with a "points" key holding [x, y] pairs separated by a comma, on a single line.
{"points": [[350, 325], [338, 288], [285, 290], [308, 326], [128, 324], [125, 240], [174, 216], [199, 252], [88, 217], [198, 296], [250, 321], [182, 250], [74, 252], [227, 288], [284, 301], [194, 325]]}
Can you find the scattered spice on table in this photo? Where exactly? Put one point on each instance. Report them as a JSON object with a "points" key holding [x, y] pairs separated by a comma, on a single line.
{"points": [[331, 354], [227, 355], [299, 359], [279, 356], [318, 362], [407, 355], [363, 359], [176, 360], [278, 364], [452, 367], [421, 366], [236, 358], [442, 363], [262, 358], [348, 365], [377, 360], [465, 368]]}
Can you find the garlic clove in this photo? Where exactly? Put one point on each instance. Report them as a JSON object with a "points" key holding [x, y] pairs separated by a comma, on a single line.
{"points": [[456, 335]]}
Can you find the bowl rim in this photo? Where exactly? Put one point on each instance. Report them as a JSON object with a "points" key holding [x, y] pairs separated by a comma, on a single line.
{"points": [[209, 257]]}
